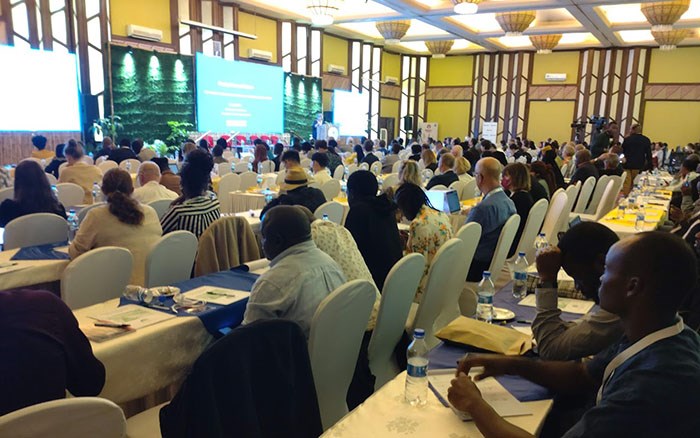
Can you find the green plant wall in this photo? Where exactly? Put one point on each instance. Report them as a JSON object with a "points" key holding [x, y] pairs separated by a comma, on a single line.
{"points": [[302, 103], [150, 89]]}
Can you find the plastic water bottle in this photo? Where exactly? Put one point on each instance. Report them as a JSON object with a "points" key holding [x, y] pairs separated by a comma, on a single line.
{"points": [[639, 222], [520, 277], [541, 242], [138, 294], [73, 224], [260, 168], [95, 192], [325, 218], [485, 292], [417, 370]]}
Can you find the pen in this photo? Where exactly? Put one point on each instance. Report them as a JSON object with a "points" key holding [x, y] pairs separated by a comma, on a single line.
{"points": [[111, 325], [523, 321]]}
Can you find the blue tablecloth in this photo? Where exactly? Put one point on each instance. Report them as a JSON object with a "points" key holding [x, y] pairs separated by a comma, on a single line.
{"points": [[41, 252]]}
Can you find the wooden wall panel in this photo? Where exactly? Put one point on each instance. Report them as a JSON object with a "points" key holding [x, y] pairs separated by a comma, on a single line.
{"points": [[15, 146]]}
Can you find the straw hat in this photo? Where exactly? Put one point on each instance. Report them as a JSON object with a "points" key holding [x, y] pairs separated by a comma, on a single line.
{"points": [[294, 178]]}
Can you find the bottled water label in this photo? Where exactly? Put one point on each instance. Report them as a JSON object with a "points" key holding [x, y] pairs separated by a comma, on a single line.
{"points": [[417, 381], [485, 299], [520, 276], [417, 370]]}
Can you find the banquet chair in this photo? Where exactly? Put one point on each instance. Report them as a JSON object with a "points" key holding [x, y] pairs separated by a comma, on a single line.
{"points": [[532, 227], [241, 167], [440, 187], [445, 280], [35, 229], [70, 194], [7, 193], [584, 195], [41, 162], [458, 186], [132, 164], [101, 159], [551, 219], [226, 243], [427, 174], [230, 182], [228, 155], [339, 172], [396, 166], [223, 168], [469, 190], [397, 295], [352, 169], [52, 179], [162, 206], [600, 186], [376, 168], [333, 209], [106, 165], [336, 333], [331, 189], [66, 418], [96, 276], [170, 260], [607, 203], [619, 182], [267, 166], [363, 166], [305, 163], [280, 177], [390, 180], [248, 180], [87, 160], [571, 195], [61, 167], [84, 211]]}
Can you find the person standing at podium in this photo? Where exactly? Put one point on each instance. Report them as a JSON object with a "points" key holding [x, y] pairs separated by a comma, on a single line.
{"points": [[315, 128]]}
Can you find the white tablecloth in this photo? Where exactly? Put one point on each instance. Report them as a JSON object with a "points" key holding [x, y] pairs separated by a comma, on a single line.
{"points": [[386, 414], [243, 201], [33, 272]]}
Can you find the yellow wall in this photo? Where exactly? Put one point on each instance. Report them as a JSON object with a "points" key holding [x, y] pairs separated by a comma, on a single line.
{"points": [[390, 108], [557, 62], [264, 28], [675, 123], [391, 65], [327, 100], [451, 71], [550, 120], [676, 66], [335, 51], [452, 118], [151, 13]]}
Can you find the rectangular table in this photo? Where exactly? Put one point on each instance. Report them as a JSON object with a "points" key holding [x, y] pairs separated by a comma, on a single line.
{"points": [[32, 272]]}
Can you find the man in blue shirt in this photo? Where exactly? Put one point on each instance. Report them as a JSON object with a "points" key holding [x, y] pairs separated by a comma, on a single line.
{"points": [[491, 213], [649, 383]]}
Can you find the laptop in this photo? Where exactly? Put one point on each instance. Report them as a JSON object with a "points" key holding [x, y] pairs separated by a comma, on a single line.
{"points": [[445, 200]]}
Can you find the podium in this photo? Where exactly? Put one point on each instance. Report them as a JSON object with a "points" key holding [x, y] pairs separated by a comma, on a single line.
{"points": [[326, 131]]}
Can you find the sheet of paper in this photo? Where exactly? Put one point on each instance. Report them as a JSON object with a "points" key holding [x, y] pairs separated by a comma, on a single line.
{"points": [[523, 329], [493, 393], [11, 267], [570, 305], [102, 334], [561, 275], [217, 295], [136, 316]]}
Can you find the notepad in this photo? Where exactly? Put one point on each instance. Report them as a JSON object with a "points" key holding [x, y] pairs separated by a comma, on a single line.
{"points": [[217, 295], [570, 305]]}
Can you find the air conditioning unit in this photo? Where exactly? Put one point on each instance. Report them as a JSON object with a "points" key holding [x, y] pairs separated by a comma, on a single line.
{"points": [[555, 77], [144, 33], [260, 55], [391, 80], [336, 69]]}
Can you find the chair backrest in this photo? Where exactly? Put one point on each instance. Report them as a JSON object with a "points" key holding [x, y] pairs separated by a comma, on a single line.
{"points": [[505, 241], [227, 242], [619, 182], [363, 166], [228, 154], [70, 194], [339, 172], [105, 165], [334, 210], [162, 206], [551, 219], [336, 333], [376, 168], [427, 173], [96, 276], [61, 167], [84, 211], [170, 260], [267, 166], [227, 184], [584, 195], [241, 167], [35, 229], [607, 201], [248, 179], [390, 180], [571, 195], [52, 179], [469, 190], [223, 169], [131, 163], [532, 227], [397, 295], [396, 166], [597, 194], [331, 189], [7, 193], [101, 159], [352, 169], [440, 187], [66, 418], [443, 288], [87, 160], [458, 186], [305, 163]]}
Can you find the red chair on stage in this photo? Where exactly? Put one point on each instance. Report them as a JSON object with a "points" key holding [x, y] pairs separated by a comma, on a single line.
{"points": [[265, 138], [227, 138], [274, 139], [210, 140], [240, 139], [253, 138]]}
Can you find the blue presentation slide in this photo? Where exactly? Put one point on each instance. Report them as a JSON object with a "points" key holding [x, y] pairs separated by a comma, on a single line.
{"points": [[39, 90], [350, 112], [237, 96]]}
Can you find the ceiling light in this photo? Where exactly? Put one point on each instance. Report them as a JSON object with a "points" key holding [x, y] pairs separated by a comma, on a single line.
{"points": [[669, 39], [545, 43], [515, 23], [393, 31], [323, 11], [439, 48], [466, 7], [662, 15]]}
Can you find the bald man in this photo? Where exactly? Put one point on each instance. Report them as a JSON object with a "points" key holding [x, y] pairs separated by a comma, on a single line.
{"points": [[491, 213], [151, 190], [300, 274], [647, 384]]}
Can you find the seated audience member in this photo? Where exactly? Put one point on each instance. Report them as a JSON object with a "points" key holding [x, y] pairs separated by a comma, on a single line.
{"points": [[408, 172], [334, 159], [32, 194], [151, 190], [415, 152], [41, 153], [584, 168], [260, 156], [581, 253], [462, 168], [490, 150], [686, 174], [204, 145], [197, 207], [544, 176], [491, 213], [306, 149], [446, 175], [137, 147], [372, 222], [537, 190], [295, 190], [429, 228], [278, 151], [457, 151], [550, 157], [319, 164], [516, 180], [124, 152], [79, 172], [391, 159], [217, 153], [369, 158], [429, 160], [167, 178], [645, 384], [611, 164], [568, 167], [59, 159], [106, 149], [187, 147], [358, 154], [44, 352], [291, 159], [122, 222], [300, 274]]}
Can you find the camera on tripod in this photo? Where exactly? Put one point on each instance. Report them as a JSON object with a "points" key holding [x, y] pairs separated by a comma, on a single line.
{"points": [[598, 122]]}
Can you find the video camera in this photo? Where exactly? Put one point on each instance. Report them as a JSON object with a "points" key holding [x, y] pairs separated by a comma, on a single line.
{"points": [[598, 122]]}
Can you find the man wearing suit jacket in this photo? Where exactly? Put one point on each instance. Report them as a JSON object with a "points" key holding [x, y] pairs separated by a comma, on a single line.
{"points": [[447, 176]]}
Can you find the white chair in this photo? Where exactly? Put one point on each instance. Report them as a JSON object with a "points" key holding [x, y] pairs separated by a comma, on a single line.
{"points": [[61, 167], [170, 260], [363, 166], [98, 275], [600, 186], [101, 160], [532, 227], [352, 169], [223, 169], [390, 180], [336, 333], [439, 187], [84, 211], [619, 182], [35, 229], [305, 163], [584, 195], [248, 180], [41, 162], [607, 202], [228, 155], [241, 167], [458, 186], [130, 164], [334, 210], [106, 165], [280, 177], [331, 189], [87, 160], [70, 194], [427, 174], [267, 166], [551, 219], [396, 166], [397, 295], [52, 179], [376, 168], [230, 182], [66, 418], [339, 172], [162, 206], [469, 190], [571, 195], [7, 193]]}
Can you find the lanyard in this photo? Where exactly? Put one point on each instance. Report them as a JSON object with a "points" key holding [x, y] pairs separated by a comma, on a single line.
{"points": [[635, 348]]}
